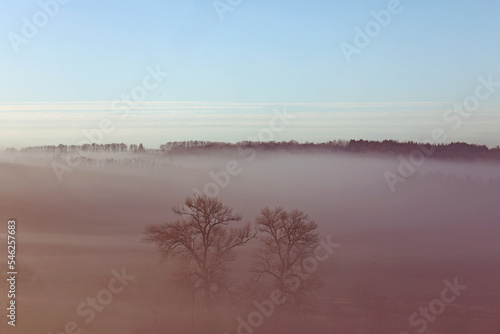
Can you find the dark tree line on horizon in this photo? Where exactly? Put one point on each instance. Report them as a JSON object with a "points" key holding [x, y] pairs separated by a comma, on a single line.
{"points": [[454, 150]]}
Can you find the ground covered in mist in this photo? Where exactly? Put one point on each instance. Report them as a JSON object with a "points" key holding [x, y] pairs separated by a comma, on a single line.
{"points": [[397, 248]]}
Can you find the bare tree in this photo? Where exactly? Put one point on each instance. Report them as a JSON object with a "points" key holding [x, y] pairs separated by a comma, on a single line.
{"points": [[287, 239], [203, 243]]}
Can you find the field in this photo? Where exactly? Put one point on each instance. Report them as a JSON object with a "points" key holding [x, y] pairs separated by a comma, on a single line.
{"points": [[396, 249]]}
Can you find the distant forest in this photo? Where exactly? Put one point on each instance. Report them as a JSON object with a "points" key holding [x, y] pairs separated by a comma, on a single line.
{"points": [[452, 151]]}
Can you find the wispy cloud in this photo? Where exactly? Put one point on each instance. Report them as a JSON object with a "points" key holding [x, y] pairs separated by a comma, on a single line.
{"points": [[156, 122]]}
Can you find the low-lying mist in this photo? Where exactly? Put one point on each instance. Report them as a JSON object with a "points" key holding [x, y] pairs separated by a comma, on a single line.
{"points": [[398, 248]]}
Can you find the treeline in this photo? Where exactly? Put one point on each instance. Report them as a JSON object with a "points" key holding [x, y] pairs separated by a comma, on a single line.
{"points": [[455, 150], [114, 147]]}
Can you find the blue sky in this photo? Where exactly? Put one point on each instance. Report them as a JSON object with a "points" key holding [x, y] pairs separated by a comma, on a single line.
{"points": [[280, 52]]}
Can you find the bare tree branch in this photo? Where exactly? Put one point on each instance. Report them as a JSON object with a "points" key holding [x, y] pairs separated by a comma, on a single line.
{"points": [[287, 239], [202, 241]]}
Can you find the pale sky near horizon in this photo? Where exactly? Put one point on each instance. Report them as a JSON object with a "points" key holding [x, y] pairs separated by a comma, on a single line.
{"points": [[262, 56]]}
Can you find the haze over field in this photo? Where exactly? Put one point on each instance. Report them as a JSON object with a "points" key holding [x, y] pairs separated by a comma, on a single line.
{"points": [[395, 248]]}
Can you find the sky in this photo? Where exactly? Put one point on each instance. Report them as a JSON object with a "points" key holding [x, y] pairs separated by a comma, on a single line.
{"points": [[243, 60]]}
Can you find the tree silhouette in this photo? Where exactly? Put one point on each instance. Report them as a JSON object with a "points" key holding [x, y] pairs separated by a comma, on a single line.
{"points": [[287, 239], [203, 244]]}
